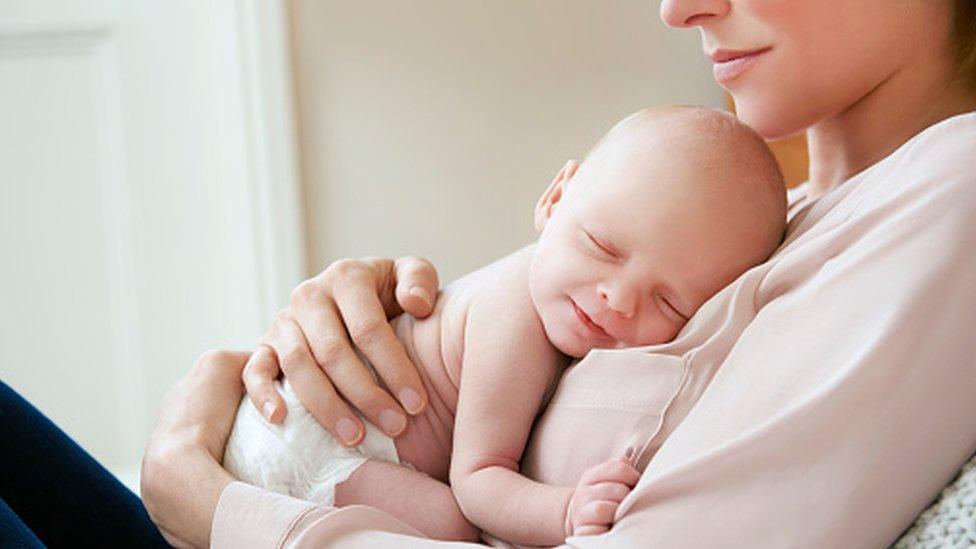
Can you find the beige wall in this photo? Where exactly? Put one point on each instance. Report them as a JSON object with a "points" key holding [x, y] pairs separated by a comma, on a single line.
{"points": [[430, 127]]}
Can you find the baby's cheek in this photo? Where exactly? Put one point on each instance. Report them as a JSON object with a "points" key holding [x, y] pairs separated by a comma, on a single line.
{"points": [[656, 330]]}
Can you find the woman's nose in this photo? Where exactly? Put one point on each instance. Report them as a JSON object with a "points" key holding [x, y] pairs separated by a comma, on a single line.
{"points": [[620, 298], [691, 13]]}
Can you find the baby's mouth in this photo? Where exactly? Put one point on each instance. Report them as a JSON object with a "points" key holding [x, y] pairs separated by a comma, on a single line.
{"points": [[588, 322]]}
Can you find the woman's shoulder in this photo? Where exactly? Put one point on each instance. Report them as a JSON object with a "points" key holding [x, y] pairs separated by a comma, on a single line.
{"points": [[938, 161], [911, 214]]}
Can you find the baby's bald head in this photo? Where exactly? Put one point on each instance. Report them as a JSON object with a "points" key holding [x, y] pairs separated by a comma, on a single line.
{"points": [[671, 206], [723, 162]]}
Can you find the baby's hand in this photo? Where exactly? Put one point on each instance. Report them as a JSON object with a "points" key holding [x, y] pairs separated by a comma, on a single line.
{"points": [[597, 496]]}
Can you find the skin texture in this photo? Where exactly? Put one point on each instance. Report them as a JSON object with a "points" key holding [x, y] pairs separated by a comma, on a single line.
{"points": [[853, 117]]}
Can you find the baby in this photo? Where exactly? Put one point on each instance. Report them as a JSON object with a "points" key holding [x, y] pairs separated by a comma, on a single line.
{"points": [[668, 208]]}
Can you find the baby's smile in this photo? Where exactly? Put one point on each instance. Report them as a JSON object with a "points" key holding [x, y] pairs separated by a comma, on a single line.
{"points": [[589, 324]]}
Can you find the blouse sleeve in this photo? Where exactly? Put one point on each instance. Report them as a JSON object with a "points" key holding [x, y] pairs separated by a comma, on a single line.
{"points": [[846, 404], [247, 516]]}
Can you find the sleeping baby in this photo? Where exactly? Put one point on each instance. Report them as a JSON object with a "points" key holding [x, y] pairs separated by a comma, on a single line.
{"points": [[666, 209]]}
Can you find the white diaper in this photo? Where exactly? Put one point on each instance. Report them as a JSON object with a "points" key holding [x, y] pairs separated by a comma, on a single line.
{"points": [[299, 458]]}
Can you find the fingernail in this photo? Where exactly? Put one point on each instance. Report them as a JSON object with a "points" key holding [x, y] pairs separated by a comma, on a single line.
{"points": [[410, 400], [268, 409], [348, 430], [422, 294], [392, 422]]}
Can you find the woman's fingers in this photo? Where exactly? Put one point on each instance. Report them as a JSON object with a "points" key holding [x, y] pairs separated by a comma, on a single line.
{"points": [[357, 385], [313, 387], [199, 409], [334, 355], [416, 285], [260, 373], [348, 307], [220, 363], [372, 334]]}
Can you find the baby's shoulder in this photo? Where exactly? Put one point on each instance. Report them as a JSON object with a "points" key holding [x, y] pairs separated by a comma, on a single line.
{"points": [[497, 302], [503, 334], [501, 290]]}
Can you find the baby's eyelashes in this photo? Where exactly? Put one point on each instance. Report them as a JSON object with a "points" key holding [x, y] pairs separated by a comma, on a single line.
{"points": [[603, 246], [598, 247], [667, 308]]}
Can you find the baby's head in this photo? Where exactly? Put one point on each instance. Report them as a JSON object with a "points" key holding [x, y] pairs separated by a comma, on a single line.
{"points": [[667, 209]]}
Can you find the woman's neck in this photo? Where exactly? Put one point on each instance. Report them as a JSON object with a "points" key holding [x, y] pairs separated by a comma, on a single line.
{"points": [[869, 130]]}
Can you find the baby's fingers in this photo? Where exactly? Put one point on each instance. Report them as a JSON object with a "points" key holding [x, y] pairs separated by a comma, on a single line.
{"points": [[596, 513], [608, 491], [590, 530], [614, 470]]}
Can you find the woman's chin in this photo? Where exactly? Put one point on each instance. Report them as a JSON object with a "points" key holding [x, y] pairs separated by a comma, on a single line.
{"points": [[771, 119]]}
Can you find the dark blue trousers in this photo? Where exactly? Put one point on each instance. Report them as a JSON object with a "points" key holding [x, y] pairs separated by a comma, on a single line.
{"points": [[53, 493]]}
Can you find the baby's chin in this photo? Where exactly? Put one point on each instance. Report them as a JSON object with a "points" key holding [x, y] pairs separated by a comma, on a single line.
{"points": [[567, 342]]}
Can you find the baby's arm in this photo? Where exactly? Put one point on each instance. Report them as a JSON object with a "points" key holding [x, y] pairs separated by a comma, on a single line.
{"points": [[507, 366], [411, 496]]}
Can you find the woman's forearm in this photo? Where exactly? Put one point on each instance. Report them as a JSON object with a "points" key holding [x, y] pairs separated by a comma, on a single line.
{"points": [[181, 488]]}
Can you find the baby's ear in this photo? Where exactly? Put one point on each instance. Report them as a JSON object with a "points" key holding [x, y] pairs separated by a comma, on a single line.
{"points": [[553, 194]]}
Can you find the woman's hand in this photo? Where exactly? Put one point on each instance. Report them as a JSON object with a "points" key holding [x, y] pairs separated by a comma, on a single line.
{"points": [[310, 343], [181, 474]]}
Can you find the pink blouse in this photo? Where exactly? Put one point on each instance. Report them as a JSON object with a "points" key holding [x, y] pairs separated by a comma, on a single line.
{"points": [[822, 399]]}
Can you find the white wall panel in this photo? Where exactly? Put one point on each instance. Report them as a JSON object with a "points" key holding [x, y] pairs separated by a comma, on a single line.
{"points": [[137, 228]]}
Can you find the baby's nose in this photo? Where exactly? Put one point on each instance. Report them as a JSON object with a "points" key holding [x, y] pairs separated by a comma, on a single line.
{"points": [[620, 300]]}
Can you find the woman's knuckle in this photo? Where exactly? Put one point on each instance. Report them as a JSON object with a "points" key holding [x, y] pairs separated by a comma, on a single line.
{"points": [[344, 268], [423, 263], [213, 357], [288, 367], [292, 355], [330, 349], [282, 316], [306, 290], [252, 369], [366, 331]]}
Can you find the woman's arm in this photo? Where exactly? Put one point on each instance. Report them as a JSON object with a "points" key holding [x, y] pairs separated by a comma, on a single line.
{"points": [[182, 479], [310, 343], [187, 445]]}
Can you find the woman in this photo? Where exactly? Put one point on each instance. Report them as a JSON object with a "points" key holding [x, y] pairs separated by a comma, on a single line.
{"points": [[822, 399], [843, 402]]}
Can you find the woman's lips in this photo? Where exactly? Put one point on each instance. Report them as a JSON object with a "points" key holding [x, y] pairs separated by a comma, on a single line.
{"points": [[588, 322], [730, 64]]}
